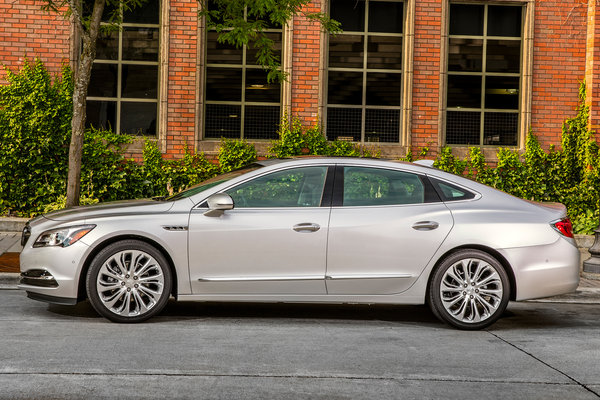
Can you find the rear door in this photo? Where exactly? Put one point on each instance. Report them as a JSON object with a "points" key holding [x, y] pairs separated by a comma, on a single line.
{"points": [[385, 226]]}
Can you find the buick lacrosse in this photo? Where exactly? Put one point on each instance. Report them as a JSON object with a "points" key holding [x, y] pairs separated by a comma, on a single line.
{"points": [[312, 230]]}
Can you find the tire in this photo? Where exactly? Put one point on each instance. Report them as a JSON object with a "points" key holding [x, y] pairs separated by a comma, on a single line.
{"points": [[469, 290], [124, 292]]}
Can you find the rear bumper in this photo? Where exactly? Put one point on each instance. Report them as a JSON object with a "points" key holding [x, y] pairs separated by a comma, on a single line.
{"points": [[545, 271]]}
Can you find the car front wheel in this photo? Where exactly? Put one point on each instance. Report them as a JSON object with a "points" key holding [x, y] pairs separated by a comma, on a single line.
{"points": [[129, 281], [469, 290]]}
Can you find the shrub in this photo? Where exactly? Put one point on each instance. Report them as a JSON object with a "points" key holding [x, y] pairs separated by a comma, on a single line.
{"points": [[234, 154]]}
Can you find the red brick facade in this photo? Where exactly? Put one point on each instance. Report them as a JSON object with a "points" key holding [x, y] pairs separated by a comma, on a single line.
{"points": [[564, 34]]}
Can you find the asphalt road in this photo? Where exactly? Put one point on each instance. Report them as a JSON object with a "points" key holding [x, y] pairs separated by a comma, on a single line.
{"points": [[230, 351]]}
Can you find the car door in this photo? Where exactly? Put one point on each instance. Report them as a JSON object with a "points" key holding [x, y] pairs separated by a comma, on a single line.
{"points": [[385, 226], [273, 241]]}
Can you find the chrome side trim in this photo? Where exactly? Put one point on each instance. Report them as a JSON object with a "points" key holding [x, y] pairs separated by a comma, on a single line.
{"points": [[175, 228], [263, 278], [368, 276]]}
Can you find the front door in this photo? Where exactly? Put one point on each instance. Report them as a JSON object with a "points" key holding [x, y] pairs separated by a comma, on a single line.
{"points": [[273, 241]]}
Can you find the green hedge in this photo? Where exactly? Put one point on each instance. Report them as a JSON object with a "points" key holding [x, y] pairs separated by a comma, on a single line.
{"points": [[35, 126]]}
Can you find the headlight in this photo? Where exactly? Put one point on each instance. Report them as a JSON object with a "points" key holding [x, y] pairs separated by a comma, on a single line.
{"points": [[62, 237]]}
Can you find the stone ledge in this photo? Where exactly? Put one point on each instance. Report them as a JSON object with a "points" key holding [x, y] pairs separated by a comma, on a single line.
{"points": [[12, 224]]}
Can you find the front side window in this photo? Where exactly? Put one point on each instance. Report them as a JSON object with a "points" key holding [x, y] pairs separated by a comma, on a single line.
{"points": [[365, 71], [239, 101], [376, 187], [123, 90], [484, 74], [296, 187]]}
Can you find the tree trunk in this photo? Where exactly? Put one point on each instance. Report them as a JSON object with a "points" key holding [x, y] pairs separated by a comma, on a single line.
{"points": [[82, 81]]}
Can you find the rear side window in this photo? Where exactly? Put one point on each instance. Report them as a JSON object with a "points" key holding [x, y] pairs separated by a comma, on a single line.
{"points": [[450, 192], [365, 186]]}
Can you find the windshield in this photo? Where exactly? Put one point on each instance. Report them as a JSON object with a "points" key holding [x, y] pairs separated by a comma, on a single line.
{"points": [[214, 181]]}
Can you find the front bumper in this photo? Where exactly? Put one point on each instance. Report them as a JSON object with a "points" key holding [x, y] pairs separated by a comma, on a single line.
{"points": [[52, 272]]}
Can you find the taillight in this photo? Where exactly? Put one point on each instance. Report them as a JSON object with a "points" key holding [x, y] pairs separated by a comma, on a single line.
{"points": [[564, 226]]}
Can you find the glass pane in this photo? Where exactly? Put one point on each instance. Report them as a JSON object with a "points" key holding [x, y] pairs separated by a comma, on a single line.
{"points": [[345, 87], [297, 187], [103, 81], [384, 52], [504, 21], [224, 84], [147, 13], [261, 122], [383, 89], [344, 124], [252, 52], [502, 92], [139, 81], [109, 10], [451, 192], [500, 129], [351, 14], [382, 125], [376, 187], [465, 54], [221, 53], [346, 51], [101, 114], [222, 120], [138, 118], [503, 56], [466, 19], [464, 91], [140, 44], [463, 127], [385, 17], [259, 90], [107, 46]]}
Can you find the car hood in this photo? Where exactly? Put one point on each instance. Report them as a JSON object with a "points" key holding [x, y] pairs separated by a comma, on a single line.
{"points": [[113, 208]]}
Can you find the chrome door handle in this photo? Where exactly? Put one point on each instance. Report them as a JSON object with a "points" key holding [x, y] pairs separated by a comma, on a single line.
{"points": [[306, 227], [425, 225]]}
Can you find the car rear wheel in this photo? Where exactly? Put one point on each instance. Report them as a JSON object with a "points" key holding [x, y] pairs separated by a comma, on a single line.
{"points": [[469, 290], [129, 281]]}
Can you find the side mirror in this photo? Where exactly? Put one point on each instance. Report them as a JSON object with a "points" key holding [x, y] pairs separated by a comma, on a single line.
{"points": [[218, 203]]}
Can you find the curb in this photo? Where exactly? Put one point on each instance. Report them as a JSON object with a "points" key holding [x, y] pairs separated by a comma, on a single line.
{"points": [[9, 280]]}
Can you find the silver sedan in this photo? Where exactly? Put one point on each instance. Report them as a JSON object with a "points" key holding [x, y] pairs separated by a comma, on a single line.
{"points": [[321, 230]]}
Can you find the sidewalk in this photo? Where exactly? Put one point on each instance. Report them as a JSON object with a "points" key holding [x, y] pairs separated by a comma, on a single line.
{"points": [[588, 291]]}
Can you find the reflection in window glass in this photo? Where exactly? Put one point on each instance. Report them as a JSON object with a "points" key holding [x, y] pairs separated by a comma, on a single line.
{"points": [[365, 71], [484, 68], [297, 187], [377, 187], [123, 90], [240, 102]]}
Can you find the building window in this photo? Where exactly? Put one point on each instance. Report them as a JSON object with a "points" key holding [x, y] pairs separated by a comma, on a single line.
{"points": [[484, 74], [365, 71], [123, 90], [239, 101]]}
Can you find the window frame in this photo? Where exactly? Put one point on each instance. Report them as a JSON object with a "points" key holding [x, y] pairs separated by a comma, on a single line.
{"points": [[119, 62], [243, 67], [525, 75], [405, 73]]}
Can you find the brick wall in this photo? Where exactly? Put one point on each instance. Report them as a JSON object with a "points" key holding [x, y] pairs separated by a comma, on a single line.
{"points": [[27, 32], [558, 65], [182, 78], [426, 78], [305, 79]]}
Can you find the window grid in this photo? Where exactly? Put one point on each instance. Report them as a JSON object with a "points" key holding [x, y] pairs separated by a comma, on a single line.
{"points": [[119, 62], [453, 116], [245, 123], [334, 112]]}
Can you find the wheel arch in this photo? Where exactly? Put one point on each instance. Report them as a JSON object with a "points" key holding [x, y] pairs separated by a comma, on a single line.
{"points": [[81, 291], [492, 252]]}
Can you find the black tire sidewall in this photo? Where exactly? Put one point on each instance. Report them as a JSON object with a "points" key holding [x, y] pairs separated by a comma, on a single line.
{"points": [[109, 251], [434, 295]]}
